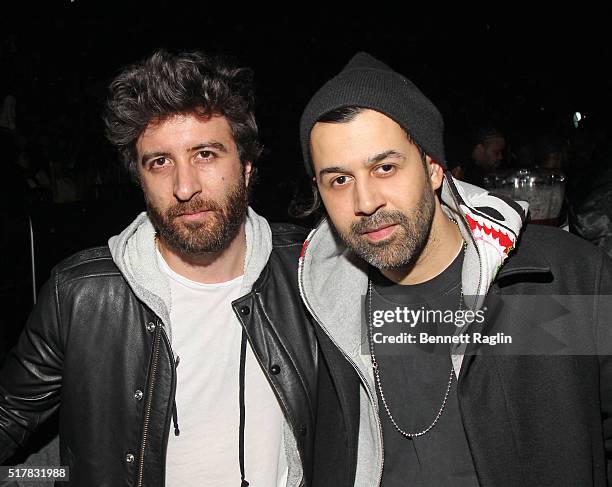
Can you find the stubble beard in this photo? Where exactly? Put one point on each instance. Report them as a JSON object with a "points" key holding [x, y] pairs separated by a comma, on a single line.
{"points": [[212, 235], [404, 246]]}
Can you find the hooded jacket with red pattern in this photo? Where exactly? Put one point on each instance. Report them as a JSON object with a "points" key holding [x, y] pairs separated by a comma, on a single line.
{"points": [[505, 401]]}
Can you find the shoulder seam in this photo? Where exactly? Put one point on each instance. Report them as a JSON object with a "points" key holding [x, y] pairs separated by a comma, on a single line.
{"points": [[89, 276], [86, 261]]}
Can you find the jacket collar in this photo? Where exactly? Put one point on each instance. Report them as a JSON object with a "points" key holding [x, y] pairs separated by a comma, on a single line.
{"points": [[530, 260], [134, 253]]}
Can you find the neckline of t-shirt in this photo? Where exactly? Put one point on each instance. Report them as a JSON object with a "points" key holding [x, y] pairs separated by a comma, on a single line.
{"points": [[446, 283], [190, 283]]}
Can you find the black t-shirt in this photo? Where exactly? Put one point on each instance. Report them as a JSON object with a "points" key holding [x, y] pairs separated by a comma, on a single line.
{"points": [[414, 381]]}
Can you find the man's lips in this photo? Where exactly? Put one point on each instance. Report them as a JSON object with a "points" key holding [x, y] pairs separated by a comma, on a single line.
{"points": [[194, 215], [381, 232]]}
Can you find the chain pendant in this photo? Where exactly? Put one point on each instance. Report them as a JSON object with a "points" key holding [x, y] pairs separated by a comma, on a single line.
{"points": [[375, 367]]}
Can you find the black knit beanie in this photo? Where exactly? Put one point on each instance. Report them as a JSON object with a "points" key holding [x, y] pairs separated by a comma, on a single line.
{"points": [[368, 83]]}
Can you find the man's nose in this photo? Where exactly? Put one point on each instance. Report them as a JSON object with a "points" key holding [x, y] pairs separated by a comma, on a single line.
{"points": [[186, 182], [368, 198]]}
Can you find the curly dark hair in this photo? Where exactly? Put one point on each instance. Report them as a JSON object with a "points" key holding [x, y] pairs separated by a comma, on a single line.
{"points": [[168, 83]]}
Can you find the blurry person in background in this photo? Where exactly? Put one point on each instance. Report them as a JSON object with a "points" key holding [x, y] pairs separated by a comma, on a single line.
{"points": [[589, 189], [486, 154], [550, 152]]}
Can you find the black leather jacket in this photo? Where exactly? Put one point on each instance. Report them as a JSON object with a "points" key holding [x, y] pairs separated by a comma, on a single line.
{"points": [[92, 349]]}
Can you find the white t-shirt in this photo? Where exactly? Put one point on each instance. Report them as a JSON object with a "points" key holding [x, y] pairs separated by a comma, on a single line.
{"points": [[206, 336]]}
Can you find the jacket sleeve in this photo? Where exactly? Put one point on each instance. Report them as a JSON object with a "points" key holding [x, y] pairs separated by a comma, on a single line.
{"points": [[31, 377]]}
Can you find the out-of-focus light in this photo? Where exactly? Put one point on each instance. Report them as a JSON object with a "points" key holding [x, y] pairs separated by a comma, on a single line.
{"points": [[577, 118]]}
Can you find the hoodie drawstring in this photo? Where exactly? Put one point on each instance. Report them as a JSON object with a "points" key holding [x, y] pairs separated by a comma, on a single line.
{"points": [[243, 343], [177, 432], [175, 419]]}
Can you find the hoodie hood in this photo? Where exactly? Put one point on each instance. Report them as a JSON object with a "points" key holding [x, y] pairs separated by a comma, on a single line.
{"points": [[490, 224], [134, 253]]}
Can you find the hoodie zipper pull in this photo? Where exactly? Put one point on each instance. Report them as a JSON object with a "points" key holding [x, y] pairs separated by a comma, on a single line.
{"points": [[177, 432]]}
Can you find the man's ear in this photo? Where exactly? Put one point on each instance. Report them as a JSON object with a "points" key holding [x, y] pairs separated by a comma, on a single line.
{"points": [[248, 170], [435, 173]]}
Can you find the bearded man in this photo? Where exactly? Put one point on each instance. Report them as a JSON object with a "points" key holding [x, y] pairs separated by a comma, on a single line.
{"points": [[403, 247], [190, 317]]}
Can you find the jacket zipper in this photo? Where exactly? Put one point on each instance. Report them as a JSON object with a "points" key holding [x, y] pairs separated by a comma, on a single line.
{"points": [[359, 373], [156, 350], [281, 404]]}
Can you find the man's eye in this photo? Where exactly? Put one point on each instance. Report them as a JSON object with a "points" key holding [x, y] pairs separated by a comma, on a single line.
{"points": [[159, 162], [206, 154], [340, 181], [385, 168]]}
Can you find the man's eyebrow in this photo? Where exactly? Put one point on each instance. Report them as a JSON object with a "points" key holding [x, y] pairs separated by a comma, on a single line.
{"points": [[388, 154], [204, 145], [331, 170], [208, 145]]}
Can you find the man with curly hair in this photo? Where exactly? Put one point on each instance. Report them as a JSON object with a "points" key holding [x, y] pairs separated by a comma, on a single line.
{"points": [[192, 313]]}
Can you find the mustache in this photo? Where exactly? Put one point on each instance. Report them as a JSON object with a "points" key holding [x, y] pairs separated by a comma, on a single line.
{"points": [[194, 205], [369, 223]]}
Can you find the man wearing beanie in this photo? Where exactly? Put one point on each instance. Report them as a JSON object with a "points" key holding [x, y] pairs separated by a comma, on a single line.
{"points": [[489, 397]]}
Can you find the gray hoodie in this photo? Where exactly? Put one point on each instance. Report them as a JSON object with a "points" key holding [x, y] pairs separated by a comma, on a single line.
{"points": [[134, 253], [333, 284]]}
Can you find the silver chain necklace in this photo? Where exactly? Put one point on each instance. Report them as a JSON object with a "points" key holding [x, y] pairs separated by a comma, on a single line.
{"points": [[376, 368]]}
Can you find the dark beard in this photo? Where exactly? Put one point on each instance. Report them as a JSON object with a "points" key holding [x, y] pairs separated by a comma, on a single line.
{"points": [[214, 234], [407, 242]]}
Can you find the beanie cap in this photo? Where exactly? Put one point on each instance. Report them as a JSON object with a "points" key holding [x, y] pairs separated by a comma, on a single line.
{"points": [[367, 82]]}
